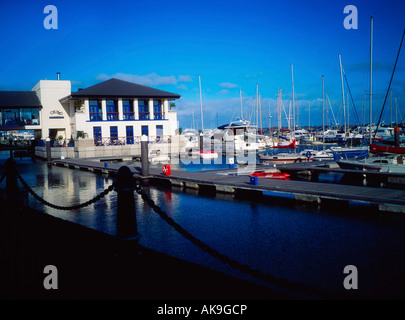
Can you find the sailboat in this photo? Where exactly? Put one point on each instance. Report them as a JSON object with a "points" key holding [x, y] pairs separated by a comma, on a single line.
{"points": [[389, 162], [204, 154], [348, 152]]}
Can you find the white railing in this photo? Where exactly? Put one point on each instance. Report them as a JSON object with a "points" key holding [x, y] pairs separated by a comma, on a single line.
{"points": [[129, 140]]}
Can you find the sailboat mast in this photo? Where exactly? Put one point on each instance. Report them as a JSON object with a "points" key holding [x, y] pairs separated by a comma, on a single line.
{"points": [[279, 112], [390, 107], [241, 109], [293, 104], [371, 76], [202, 117], [343, 94], [260, 114], [323, 111], [257, 103]]}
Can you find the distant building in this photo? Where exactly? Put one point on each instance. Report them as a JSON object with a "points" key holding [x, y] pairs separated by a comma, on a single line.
{"points": [[111, 112]]}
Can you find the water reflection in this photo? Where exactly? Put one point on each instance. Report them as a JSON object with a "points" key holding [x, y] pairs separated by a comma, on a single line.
{"points": [[291, 240]]}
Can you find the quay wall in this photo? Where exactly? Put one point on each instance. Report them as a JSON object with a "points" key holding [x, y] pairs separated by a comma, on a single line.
{"points": [[85, 148]]}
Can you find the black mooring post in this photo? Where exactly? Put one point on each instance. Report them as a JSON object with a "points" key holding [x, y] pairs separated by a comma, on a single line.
{"points": [[11, 179], [145, 159], [127, 229], [397, 140], [48, 151], [201, 142]]}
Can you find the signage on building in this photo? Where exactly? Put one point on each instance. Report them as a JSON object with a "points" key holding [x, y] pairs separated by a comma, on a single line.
{"points": [[55, 114]]}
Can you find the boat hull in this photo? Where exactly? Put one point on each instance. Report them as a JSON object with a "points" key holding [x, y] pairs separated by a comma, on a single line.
{"points": [[378, 148]]}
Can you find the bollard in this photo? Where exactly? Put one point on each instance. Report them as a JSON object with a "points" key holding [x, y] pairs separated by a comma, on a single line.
{"points": [[11, 179], [48, 150], [201, 142], [396, 137], [127, 229], [144, 157]]}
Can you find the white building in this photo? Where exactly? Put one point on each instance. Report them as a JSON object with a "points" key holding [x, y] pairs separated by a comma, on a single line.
{"points": [[113, 112]]}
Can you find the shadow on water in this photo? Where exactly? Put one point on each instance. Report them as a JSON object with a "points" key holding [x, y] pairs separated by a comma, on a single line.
{"points": [[293, 240]]}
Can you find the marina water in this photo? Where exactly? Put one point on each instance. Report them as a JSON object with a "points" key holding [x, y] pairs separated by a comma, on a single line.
{"points": [[290, 240]]}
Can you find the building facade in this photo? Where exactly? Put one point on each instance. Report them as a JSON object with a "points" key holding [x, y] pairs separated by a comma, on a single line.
{"points": [[113, 112]]}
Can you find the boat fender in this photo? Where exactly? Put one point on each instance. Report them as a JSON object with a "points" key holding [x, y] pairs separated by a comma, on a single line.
{"points": [[308, 154], [166, 170]]}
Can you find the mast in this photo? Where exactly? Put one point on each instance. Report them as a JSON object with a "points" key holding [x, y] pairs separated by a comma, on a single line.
{"points": [[323, 111], [279, 113], [371, 76], [260, 115], [396, 112], [293, 105], [202, 117], [257, 103], [343, 95], [390, 107], [241, 109]]}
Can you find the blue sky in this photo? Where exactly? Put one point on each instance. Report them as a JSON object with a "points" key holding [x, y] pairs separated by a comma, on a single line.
{"points": [[233, 45]]}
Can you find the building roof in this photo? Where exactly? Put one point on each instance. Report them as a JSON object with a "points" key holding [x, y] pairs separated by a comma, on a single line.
{"points": [[120, 88], [19, 99]]}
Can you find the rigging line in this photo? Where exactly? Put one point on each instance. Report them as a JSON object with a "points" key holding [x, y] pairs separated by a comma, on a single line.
{"points": [[389, 85], [354, 107], [330, 106]]}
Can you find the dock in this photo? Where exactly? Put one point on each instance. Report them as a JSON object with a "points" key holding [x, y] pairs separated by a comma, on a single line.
{"points": [[226, 181]]}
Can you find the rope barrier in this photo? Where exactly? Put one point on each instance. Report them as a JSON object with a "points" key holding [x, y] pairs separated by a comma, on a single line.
{"points": [[74, 207], [233, 263], [295, 286], [3, 176]]}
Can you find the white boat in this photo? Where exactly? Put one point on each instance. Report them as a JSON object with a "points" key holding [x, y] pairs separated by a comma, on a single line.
{"points": [[237, 136], [208, 155], [156, 156], [350, 152], [283, 158], [381, 163], [317, 155]]}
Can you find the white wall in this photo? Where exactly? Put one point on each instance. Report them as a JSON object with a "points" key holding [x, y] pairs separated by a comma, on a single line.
{"points": [[82, 122], [49, 92]]}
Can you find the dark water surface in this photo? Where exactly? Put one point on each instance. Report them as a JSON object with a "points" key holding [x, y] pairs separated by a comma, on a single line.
{"points": [[289, 240]]}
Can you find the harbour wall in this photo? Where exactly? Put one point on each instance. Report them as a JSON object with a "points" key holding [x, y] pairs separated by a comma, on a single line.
{"points": [[85, 148]]}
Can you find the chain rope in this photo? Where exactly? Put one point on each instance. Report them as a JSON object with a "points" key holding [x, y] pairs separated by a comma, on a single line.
{"points": [[3, 176], [295, 286], [74, 207]]}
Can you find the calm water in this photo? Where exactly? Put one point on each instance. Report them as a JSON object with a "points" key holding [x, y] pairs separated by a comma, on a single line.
{"points": [[294, 241]]}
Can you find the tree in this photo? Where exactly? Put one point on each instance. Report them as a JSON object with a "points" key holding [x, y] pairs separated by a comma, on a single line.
{"points": [[172, 105]]}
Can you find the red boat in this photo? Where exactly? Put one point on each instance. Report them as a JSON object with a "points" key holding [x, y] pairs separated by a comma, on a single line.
{"points": [[377, 148], [270, 175], [287, 146]]}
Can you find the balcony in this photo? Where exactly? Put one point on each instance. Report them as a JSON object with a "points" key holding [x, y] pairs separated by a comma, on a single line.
{"points": [[158, 115], [96, 116], [129, 140], [129, 115], [17, 122], [112, 116], [143, 115]]}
